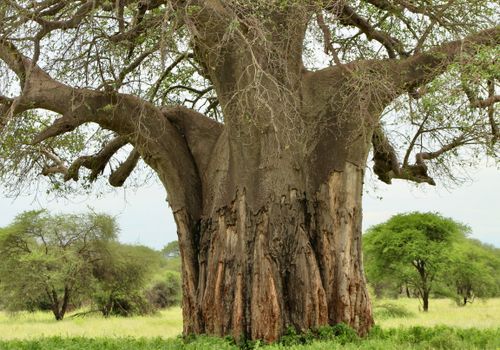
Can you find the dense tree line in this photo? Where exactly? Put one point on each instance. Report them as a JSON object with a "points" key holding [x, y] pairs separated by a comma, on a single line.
{"points": [[424, 254], [63, 262]]}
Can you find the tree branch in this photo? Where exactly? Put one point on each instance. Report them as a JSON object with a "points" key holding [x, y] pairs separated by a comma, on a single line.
{"points": [[387, 166], [201, 133], [119, 175], [349, 17], [159, 142], [97, 162], [422, 68]]}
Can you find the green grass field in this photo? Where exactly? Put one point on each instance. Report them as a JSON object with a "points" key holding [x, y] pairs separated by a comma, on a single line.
{"points": [[165, 324], [401, 326]]}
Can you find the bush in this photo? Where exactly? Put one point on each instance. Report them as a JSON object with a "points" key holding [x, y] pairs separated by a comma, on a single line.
{"points": [[165, 293], [388, 310], [339, 333], [124, 305]]}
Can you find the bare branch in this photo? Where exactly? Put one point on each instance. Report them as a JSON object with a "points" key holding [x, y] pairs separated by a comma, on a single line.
{"points": [[58, 166], [327, 38], [118, 177], [387, 166], [97, 162], [166, 72], [349, 17]]}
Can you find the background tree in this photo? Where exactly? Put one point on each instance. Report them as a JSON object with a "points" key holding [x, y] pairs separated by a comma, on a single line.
{"points": [[266, 191], [49, 259], [171, 250], [473, 271], [412, 249]]}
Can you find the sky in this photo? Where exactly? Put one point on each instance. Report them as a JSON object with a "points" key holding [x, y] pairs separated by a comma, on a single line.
{"points": [[145, 218]]}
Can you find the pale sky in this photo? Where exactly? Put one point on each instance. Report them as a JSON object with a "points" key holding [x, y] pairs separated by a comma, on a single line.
{"points": [[145, 218]]}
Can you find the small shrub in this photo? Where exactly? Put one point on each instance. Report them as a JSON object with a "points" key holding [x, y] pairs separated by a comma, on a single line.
{"points": [[165, 293], [388, 310], [123, 305]]}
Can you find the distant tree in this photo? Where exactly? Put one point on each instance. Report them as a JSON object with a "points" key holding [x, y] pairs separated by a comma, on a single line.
{"points": [[411, 249], [171, 250], [48, 259], [473, 271], [122, 277]]}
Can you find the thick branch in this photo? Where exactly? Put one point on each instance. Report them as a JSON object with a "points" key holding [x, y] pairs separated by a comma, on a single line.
{"points": [[120, 174], [14, 60], [424, 67], [97, 162], [201, 133], [387, 166], [160, 143], [349, 17]]}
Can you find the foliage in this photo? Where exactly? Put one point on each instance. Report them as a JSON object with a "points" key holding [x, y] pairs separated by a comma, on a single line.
{"points": [[171, 250], [411, 249], [165, 293], [59, 262], [48, 259], [473, 271], [457, 267], [121, 279]]}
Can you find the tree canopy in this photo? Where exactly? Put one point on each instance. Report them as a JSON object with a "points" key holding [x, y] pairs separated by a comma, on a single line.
{"points": [[50, 259], [67, 261], [473, 271], [412, 249], [87, 60]]}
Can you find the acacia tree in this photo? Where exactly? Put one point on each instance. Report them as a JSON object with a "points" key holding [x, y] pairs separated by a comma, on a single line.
{"points": [[261, 145], [473, 271], [50, 259], [412, 249]]}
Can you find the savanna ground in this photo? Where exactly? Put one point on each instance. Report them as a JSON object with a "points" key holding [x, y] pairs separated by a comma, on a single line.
{"points": [[400, 325]]}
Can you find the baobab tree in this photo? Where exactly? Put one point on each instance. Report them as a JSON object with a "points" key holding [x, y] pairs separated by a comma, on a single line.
{"points": [[261, 144]]}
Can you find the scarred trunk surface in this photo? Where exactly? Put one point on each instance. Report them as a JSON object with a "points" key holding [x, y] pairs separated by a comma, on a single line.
{"points": [[296, 261]]}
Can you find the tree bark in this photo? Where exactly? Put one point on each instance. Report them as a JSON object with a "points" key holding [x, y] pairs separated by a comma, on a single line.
{"points": [[425, 300], [294, 262]]}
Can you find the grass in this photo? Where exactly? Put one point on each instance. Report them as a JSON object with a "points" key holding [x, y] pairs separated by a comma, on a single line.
{"points": [[480, 314], [400, 326], [414, 338], [166, 324]]}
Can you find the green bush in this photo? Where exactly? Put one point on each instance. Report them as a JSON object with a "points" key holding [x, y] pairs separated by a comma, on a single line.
{"points": [[122, 304], [389, 310], [165, 293]]}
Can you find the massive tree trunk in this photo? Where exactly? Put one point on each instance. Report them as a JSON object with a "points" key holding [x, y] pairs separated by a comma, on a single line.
{"points": [[295, 261], [278, 243]]}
